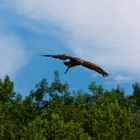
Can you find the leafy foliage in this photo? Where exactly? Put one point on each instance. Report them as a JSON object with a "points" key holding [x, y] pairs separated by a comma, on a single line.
{"points": [[52, 112]]}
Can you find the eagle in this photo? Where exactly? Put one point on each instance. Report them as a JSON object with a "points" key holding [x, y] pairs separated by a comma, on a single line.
{"points": [[74, 61]]}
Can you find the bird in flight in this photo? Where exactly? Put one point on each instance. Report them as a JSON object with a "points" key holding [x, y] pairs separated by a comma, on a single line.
{"points": [[74, 61]]}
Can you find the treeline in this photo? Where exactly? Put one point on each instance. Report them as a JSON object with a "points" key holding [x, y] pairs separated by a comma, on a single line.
{"points": [[52, 112]]}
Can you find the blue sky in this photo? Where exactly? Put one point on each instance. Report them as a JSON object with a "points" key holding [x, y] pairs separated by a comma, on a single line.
{"points": [[106, 33]]}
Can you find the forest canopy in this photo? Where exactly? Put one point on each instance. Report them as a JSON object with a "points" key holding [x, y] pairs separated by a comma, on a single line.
{"points": [[51, 111]]}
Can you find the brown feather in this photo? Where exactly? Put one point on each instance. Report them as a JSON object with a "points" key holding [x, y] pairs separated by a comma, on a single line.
{"points": [[77, 61], [62, 56], [95, 67]]}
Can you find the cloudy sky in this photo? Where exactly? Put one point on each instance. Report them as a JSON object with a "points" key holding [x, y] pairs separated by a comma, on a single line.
{"points": [[104, 32]]}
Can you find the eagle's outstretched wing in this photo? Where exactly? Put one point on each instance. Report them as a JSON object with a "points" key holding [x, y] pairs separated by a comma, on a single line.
{"points": [[94, 67], [62, 56]]}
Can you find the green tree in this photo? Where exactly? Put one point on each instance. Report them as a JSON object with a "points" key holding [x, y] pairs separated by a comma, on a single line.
{"points": [[55, 129], [110, 121], [51, 111], [6, 90]]}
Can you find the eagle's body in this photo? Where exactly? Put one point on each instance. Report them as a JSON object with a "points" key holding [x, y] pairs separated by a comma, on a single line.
{"points": [[74, 61]]}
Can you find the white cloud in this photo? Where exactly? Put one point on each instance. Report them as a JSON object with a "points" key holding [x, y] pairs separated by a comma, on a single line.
{"points": [[122, 78], [106, 32], [12, 55]]}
